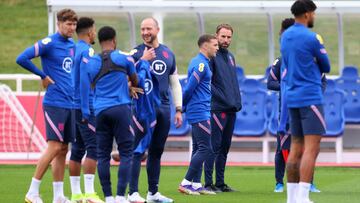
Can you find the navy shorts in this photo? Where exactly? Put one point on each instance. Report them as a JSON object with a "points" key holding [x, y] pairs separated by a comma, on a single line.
{"points": [[307, 121], [85, 139], [60, 124]]}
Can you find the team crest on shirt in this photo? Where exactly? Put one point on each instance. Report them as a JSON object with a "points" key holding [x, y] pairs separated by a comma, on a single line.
{"points": [[148, 86], [91, 52], [158, 67], [318, 37], [165, 54], [201, 67], [46, 40], [67, 64]]}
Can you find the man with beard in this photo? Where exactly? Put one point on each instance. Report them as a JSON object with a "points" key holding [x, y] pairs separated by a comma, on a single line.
{"points": [[304, 59], [164, 75], [225, 102], [85, 119]]}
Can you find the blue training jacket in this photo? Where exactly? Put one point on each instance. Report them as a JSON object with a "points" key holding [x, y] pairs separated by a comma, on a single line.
{"points": [[83, 97], [57, 58], [304, 59], [197, 92]]}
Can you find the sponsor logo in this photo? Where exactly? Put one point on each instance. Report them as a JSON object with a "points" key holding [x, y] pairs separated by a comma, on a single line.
{"points": [[148, 86], [158, 67], [67, 64]]}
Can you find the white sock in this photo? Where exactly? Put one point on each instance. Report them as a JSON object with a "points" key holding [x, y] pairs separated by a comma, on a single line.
{"points": [[75, 185], [109, 199], [34, 186], [291, 192], [119, 198], [58, 190], [196, 185], [89, 183], [185, 182], [303, 191]]}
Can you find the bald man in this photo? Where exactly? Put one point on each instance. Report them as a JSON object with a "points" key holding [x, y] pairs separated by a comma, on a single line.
{"points": [[164, 77]]}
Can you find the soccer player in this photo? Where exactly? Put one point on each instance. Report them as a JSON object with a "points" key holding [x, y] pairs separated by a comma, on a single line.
{"points": [[304, 59], [196, 100], [225, 102], [283, 137], [57, 58], [164, 74], [85, 119], [108, 73]]}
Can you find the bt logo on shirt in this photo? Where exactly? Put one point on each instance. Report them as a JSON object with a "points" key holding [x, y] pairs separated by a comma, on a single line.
{"points": [[158, 67], [148, 86], [67, 64]]}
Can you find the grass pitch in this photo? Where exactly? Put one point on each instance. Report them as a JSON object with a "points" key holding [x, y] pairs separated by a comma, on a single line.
{"points": [[254, 185]]}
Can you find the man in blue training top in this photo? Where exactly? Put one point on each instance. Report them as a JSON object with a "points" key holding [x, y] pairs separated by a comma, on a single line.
{"points": [[196, 100], [108, 73], [85, 119], [283, 136], [57, 58], [225, 102], [304, 59], [164, 75]]}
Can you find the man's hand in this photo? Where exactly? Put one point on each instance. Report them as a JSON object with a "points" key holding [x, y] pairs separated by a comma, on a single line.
{"points": [[134, 91], [148, 54], [178, 119], [47, 81]]}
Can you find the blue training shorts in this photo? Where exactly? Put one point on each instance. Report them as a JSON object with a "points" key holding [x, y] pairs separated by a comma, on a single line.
{"points": [[307, 120], [60, 124]]}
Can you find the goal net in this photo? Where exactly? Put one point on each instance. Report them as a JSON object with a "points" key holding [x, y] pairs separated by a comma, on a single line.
{"points": [[19, 137]]}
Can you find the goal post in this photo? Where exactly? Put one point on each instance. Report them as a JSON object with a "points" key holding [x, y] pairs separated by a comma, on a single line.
{"points": [[19, 136]]}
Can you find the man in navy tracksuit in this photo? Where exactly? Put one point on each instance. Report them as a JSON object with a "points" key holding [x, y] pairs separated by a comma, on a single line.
{"points": [[304, 59], [225, 102], [283, 135], [196, 100], [108, 74]]}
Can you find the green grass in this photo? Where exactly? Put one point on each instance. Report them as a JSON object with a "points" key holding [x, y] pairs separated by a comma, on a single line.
{"points": [[255, 185], [22, 22]]}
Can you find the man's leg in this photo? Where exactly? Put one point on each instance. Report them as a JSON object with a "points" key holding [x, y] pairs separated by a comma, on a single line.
{"points": [[58, 170], [221, 159], [53, 148], [89, 136], [294, 159], [124, 135], [57, 122], [201, 135], [77, 153], [314, 126], [216, 139], [104, 143], [279, 166], [157, 146]]}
